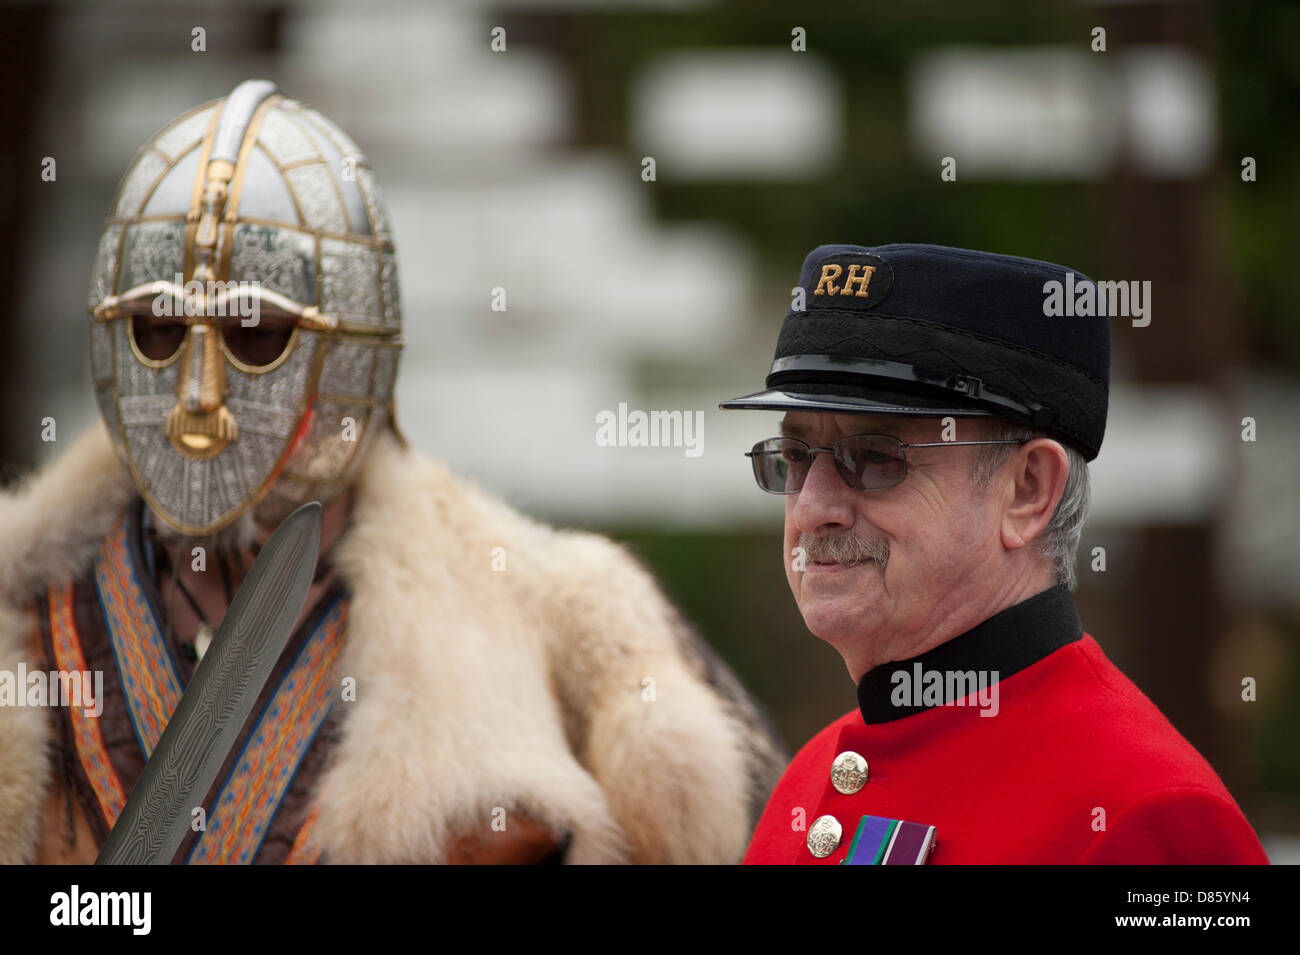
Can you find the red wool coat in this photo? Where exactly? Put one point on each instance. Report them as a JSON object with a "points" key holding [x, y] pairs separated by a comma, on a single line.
{"points": [[1076, 766]]}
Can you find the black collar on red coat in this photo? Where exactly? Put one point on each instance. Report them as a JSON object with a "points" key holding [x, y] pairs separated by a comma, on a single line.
{"points": [[1005, 643]]}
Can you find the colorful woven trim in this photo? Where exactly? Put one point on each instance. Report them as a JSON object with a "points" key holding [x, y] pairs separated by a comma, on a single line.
{"points": [[149, 679], [251, 795], [305, 851], [69, 658], [249, 799], [881, 841]]}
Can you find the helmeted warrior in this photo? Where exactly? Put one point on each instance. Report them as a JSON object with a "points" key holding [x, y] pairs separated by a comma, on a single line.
{"points": [[463, 684]]}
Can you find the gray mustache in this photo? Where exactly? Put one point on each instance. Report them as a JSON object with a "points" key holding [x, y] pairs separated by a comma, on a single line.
{"points": [[844, 549]]}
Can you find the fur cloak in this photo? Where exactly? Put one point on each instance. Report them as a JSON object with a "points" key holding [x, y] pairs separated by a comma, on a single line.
{"points": [[524, 689]]}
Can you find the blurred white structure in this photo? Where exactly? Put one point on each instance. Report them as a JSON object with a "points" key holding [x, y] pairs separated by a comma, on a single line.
{"points": [[751, 114], [1062, 112]]}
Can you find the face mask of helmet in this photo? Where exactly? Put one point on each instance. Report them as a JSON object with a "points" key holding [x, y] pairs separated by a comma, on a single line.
{"points": [[245, 319]]}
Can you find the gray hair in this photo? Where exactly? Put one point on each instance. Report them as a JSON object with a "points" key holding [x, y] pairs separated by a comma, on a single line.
{"points": [[1060, 539]]}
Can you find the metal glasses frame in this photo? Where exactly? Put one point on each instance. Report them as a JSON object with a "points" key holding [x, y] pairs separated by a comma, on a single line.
{"points": [[902, 446]]}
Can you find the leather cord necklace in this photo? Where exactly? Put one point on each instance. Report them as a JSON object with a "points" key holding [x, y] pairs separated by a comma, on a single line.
{"points": [[195, 648]]}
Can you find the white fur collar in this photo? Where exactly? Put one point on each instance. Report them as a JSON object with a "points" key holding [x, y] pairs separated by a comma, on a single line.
{"points": [[477, 689]]}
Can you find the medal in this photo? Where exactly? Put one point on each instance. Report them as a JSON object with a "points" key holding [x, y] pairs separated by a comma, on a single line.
{"points": [[881, 841]]}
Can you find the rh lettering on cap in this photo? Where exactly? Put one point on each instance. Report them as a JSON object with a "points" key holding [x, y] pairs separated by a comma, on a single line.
{"points": [[851, 279], [831, 271]]}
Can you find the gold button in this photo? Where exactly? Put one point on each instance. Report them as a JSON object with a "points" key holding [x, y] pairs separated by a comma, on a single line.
{"points": [[849, 772], [824, 836]]}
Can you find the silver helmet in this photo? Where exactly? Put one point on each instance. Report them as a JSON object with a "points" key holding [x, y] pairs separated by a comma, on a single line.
{"points": [[246, 326]]}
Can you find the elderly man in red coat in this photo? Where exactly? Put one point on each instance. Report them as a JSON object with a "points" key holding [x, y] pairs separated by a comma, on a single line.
{"points": [[939, 417]]}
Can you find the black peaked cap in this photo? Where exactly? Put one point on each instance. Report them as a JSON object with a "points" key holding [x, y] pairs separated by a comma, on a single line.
{"points": [[929, 330]]}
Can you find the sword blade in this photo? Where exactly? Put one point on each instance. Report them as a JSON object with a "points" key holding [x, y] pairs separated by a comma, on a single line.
{"points": [[215, 706]]}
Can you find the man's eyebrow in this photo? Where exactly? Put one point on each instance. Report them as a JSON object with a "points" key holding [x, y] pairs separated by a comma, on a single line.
{"points": [[790, 431]]}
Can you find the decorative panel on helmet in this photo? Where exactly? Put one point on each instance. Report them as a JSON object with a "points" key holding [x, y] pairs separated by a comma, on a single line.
{"points": [[392, 306], [281, 260], [374, 199], [350, 281], [343, 158], [140, 179], [264, 193], [101, 353], [385, 371], [342, 141], [284, 139], [184, 133], [347, 369], [143, 410], [104, 271], [152, 252], [318, 197], [172, 195]]}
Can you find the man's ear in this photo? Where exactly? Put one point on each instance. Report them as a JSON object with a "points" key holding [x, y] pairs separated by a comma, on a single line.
{"points": [[1038, 472]]}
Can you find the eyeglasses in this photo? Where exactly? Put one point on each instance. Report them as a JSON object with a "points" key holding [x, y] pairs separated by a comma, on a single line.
{"points": [[866, 462]]}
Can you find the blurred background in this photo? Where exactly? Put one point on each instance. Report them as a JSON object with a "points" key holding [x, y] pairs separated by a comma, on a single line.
{"points": [[773, 129]]}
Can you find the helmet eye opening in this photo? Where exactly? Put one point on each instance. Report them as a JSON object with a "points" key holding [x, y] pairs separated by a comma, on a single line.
{"points": [[258, 348], [156, 341]]}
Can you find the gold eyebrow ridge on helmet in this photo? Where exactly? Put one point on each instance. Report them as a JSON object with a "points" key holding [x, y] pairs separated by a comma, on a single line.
{"points": [[194, 308]]}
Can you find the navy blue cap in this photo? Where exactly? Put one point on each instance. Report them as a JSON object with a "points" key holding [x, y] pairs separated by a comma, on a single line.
{"points": [[929, 330]]}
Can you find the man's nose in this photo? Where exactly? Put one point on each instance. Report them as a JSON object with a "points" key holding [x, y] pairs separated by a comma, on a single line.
{"points": [[825, 500]]}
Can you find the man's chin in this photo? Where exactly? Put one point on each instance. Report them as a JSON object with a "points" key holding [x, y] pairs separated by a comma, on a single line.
{"points": [[836, 600], [834, 621]]}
